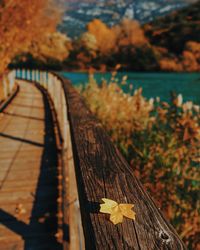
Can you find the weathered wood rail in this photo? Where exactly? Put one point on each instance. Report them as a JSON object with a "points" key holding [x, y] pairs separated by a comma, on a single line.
{"points": [[8, 88], [100, 172]]}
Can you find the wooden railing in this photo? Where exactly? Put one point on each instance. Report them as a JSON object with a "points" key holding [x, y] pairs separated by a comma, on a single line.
{"points": [[7, 86], [68, 201], [101, 172]]}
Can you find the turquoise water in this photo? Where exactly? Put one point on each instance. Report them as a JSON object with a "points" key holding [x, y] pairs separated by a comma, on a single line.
{"points": [[153, 84]]}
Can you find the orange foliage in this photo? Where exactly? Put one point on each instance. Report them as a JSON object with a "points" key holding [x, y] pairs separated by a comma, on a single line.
{"points": [[168, 64], [21, 22], [191, 56], [129, 32], [189, 61], [193, 47], [89, 42], [127, 44], [105, 37], [51, 45]]}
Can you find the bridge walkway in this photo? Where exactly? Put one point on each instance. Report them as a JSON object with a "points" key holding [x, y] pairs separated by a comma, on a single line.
{"points": [[28, 172]]}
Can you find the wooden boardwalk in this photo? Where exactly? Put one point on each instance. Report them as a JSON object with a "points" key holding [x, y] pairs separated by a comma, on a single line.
{"points": [[48, 149], [28, 172]]}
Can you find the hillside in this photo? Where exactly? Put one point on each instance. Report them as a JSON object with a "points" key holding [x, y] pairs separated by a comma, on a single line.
{"points": [[174, 30], [170, 43], [79, 13]]}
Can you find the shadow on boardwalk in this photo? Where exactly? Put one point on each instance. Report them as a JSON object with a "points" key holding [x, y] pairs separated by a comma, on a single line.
{"points": [[40, 232]]}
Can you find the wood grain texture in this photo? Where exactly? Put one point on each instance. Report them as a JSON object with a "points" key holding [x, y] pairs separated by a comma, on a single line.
{"points": [[28, 172], [101, 171]]}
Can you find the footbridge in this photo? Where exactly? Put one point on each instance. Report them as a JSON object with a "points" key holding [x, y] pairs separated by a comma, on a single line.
{"points": [[56, 165]]}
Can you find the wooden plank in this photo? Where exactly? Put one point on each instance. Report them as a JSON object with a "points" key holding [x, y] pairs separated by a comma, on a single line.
{"points": [[15, 244], [28, 170], [101, 171], [75, 226]]}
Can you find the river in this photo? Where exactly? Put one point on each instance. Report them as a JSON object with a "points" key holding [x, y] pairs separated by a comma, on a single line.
{"points": [[153, 84]]}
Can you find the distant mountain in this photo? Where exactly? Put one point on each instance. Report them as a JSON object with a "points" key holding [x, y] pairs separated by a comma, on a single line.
{"points": [[79, 13]]}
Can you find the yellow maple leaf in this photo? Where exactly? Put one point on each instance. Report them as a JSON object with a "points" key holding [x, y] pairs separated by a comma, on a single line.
{"points": [[117, 211]]}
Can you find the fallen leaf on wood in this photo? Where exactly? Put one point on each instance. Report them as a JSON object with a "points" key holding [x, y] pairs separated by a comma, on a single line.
{"points": [[117, 211]]}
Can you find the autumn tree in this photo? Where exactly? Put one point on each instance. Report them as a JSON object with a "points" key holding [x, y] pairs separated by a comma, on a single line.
{"points": [[52, 45], [188, 61], [134, 49], [191, 56], [129, 32], [89, 43], [21, 23], [170, 64], [193, 47], [124, 43], [105, 37]]}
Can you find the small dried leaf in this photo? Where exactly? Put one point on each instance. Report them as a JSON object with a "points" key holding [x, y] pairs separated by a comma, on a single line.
{"points": [[117, 211]]}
